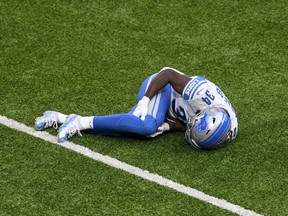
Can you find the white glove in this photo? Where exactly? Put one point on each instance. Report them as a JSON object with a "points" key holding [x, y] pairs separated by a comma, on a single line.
{"points": [[142, 108], [161, 129]]}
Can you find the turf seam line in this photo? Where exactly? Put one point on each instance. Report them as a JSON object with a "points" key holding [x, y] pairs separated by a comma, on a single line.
{"points": [[129, 168]]}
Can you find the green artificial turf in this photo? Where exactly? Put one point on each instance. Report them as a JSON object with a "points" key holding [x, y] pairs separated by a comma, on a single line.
{"points": [[90, 57], [39, 178]]}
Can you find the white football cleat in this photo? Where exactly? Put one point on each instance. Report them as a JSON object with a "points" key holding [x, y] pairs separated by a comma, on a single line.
{"points": [[69, 128], [49, 119]]}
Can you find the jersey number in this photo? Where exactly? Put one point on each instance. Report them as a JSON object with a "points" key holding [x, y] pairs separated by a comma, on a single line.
{"points": [[209, 97]]}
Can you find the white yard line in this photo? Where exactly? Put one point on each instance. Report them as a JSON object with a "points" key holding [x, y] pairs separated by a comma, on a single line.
{"points": [[129, 168]]}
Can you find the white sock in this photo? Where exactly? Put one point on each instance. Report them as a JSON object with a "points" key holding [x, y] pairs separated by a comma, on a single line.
{"points": [[86, 122]]}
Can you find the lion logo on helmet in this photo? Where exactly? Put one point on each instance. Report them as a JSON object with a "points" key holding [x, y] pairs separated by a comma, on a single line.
{"points": [[203, 125]]}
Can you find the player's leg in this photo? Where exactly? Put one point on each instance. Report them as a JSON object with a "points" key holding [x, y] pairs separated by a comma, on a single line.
{"points": [[123, 124], [159, 104], [128, 124]]}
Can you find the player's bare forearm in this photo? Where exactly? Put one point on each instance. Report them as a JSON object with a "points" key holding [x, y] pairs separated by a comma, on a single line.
{"points": [[176, 125], [167, 75]]}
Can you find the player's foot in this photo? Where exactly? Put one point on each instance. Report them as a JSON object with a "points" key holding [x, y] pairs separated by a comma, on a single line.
{"points": [[49, 119], [69, 128]]}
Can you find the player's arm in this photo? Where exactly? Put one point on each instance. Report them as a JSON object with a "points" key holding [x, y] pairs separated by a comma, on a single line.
{"points": [[171, 125], [176, 125], [167, 75]]}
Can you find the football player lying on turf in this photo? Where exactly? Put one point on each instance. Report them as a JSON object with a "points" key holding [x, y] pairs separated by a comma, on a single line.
{"points": [[167, 101]]}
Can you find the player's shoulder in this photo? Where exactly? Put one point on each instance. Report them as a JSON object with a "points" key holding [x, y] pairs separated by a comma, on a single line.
{"points": [[193, 85]]}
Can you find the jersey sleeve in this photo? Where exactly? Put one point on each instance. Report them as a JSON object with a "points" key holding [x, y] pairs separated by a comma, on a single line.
{"points": [[193, 86]]}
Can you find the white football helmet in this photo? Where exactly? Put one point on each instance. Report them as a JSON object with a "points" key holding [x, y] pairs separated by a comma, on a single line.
{"points": [[208, 128]]}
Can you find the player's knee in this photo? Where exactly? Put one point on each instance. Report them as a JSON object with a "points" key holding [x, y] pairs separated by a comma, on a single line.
{"points": [[149, 126]]}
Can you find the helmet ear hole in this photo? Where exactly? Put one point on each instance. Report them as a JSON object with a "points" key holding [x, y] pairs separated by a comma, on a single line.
{"points": [[214, 119], [207, 132]]}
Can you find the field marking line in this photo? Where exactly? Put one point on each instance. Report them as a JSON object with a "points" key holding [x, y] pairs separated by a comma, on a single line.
{"points": [[129, 168]]}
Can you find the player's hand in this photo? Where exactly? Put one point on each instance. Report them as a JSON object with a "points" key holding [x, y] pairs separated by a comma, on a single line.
{"points": [[142, 108], [161, 129]]}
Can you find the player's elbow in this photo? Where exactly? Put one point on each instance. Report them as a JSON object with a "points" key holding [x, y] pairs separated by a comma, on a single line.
{"points": [[170, 73], [167, 73], [166, 69]]}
